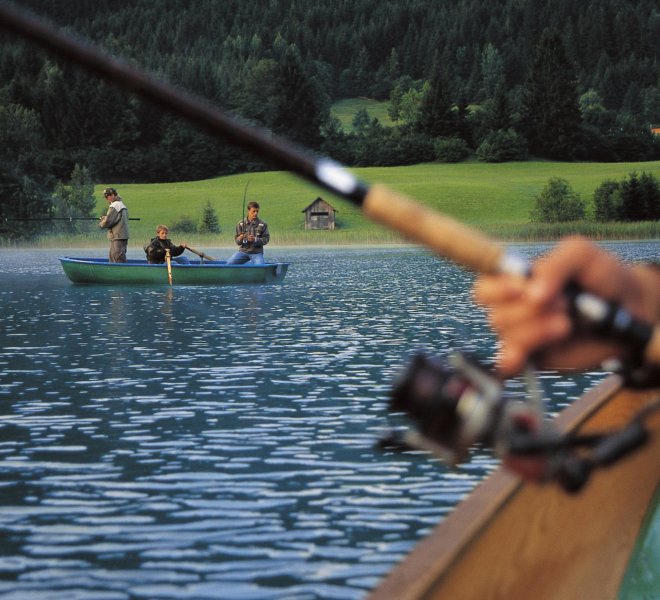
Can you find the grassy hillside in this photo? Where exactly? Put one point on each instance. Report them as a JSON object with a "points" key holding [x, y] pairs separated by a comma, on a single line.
{"points": [[345, 111], [494, 197]]}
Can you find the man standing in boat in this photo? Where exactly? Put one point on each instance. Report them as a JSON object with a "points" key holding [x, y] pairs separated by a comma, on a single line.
{"points": [[116, 222], [251, 236]]}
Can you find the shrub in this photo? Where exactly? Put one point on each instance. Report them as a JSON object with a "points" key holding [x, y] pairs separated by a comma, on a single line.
{"points": [[502, 145], [607, 201], [184, 224], [558, 203], [450, 150]]}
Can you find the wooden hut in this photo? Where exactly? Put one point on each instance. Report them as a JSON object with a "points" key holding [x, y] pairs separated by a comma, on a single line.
{"points": [[319, 215]]}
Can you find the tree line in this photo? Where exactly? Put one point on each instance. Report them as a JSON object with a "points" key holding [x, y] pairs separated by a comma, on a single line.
{"points": [[502, 80]]}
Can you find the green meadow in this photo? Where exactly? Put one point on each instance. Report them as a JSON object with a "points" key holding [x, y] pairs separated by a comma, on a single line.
{"points": [[496, 198], [345, 111]]}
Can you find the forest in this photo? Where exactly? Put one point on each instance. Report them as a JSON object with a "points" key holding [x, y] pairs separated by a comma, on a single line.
{"points": [[497, 81]]}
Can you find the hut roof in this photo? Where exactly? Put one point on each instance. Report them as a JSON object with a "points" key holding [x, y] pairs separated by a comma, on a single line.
{"points": [[319, 199]]}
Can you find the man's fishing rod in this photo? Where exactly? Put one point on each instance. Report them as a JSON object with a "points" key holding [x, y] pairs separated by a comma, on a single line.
{"points": [[62, 219], [444, 235], [243, 215]]}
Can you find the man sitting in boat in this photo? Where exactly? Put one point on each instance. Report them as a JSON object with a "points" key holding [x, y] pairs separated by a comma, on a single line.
{"points": [[251, 235], [156, 248]]}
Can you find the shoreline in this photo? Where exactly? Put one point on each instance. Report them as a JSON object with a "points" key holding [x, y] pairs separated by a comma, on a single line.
{"points": [[209, 248]]}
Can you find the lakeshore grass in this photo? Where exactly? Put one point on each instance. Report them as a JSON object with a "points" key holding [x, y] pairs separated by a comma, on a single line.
{"points": [[496, 198]]}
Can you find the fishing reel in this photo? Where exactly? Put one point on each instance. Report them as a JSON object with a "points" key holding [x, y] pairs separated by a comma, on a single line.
{"points": [[456, 403]]}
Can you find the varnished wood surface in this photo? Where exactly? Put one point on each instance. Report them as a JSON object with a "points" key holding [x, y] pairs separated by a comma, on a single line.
{"points": [[514, 540]]}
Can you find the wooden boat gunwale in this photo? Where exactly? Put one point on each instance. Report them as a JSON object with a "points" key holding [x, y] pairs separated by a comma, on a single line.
{"points": [[513, 539]]}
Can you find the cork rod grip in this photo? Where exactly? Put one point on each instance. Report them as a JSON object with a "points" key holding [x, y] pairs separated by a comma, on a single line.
{"points": [[652, 351], [447, 237]]}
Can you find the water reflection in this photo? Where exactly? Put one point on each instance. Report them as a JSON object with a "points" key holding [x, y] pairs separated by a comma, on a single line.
{"points": [[199, 442]]}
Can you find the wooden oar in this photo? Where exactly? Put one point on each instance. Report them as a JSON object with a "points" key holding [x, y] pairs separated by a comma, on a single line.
{"points": [[444, 235], [200, 254], [168, 260]]}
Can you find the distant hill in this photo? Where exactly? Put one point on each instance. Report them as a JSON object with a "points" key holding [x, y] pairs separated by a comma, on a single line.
{"points": [[495, 197]]}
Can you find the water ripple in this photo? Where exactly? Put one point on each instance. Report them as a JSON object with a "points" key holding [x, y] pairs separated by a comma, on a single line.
{"points": [[219, 443]]}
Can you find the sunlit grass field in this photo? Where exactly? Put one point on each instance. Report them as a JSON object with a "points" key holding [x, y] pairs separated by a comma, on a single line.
{"points": [[496, 198], [345, 111]]}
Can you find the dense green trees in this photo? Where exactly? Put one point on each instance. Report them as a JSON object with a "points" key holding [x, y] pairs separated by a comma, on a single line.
{"points": [[551, 115], [563, 79], [635, 198]]}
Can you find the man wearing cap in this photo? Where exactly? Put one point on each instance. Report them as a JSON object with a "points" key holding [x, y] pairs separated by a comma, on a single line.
{"points": [[116, 222]]}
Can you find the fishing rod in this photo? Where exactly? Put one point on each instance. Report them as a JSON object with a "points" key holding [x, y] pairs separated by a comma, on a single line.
{"points": [[62, 219], [444, 235], [243, 215]]}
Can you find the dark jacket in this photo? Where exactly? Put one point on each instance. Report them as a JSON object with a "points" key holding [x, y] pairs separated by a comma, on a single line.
{"points": [[156, 250], [259, 229]]}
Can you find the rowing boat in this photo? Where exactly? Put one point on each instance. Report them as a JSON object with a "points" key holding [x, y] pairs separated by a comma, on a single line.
{"points": [[100, 270], [514, 539]]}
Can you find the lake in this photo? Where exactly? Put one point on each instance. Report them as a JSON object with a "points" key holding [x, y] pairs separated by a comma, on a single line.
{"points": [[219, 442]]}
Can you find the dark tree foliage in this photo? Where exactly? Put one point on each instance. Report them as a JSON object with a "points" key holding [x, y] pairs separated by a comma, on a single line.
{"points": [[552, 118], [436, 117], [634, 198], [25, 182], [279, 63], [640, 198], [301, 111]]}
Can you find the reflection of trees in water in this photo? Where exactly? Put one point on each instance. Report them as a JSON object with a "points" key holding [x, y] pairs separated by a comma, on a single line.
{"points": [[115, 332], [251, 308], [167, 305]]}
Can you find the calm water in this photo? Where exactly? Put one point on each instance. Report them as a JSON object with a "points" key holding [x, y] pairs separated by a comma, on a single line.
{"points": [[202, 442]]}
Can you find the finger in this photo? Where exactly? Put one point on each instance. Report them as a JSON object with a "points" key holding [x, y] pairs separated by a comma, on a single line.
{"points": [[583, 262], [493, 290], [527, 338], [514, 314]]}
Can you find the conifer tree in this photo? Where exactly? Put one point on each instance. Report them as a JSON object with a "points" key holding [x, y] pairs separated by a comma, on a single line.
{"points": [[301, 112], [210, 223], [82, 190], [436, 118], [551, 113]]}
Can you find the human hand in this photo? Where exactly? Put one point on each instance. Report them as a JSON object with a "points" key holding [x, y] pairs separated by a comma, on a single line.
{"points": [[532, 318]]}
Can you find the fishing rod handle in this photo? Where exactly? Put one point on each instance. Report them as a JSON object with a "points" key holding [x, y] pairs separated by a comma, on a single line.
{"points": [[612, 319], [475, 251], [446, 236], [652, 353]]}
